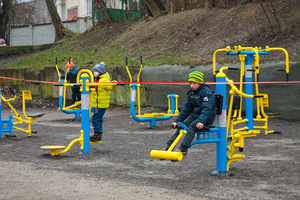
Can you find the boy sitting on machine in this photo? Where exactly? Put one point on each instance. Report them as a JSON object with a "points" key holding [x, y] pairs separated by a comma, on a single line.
{"points": [[198, 111]]}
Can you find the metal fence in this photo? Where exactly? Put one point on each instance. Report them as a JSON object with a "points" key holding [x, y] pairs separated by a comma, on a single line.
{"points": [[136, 12]]}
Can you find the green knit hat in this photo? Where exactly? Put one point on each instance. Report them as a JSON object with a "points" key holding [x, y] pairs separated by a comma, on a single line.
{"points": [[196, 77]]}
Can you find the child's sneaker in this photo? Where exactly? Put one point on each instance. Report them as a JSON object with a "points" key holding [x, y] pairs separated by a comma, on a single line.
{"points": [[96, 137]]}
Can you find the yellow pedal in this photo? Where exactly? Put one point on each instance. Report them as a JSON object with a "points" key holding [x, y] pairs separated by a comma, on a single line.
{"points": [[53, 149]]}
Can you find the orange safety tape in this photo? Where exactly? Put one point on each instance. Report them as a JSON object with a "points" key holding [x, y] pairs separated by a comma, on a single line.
{"points": [[161, 83]]}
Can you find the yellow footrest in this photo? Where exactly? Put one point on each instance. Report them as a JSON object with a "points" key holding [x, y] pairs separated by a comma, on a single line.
{"points": [[95, 142], [153, 114], [53, 149]]}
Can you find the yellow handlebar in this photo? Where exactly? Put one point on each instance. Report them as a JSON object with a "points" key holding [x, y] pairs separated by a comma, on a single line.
{"points": [[85, 71]]}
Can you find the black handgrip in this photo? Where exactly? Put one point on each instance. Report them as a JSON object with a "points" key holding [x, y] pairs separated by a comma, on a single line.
{"points": [[126, 61], [258, 96], [69, 60], [91, 62], [141, 60], [252, 70], [172, 125], [233, 68], [12, 91], [58, 84], [281, 70], [206, 128], [56, 60]]}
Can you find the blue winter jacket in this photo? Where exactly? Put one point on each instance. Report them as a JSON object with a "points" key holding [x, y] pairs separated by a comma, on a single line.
{"points": [[201, 104], [72, 75]]}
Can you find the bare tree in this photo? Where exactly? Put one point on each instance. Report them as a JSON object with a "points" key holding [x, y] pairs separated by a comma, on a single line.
{"points": [[211, 3], [105, 11], [5, 8], [270, 23], [156, 7], [58, 25], [273, 11], [175, 6]]}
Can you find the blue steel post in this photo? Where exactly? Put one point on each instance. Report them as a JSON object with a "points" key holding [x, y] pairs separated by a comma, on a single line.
{"points": [[85, 118], [248, 89], [221, 124]]}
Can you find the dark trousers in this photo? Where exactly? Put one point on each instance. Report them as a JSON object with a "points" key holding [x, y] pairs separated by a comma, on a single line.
{"points": [[76, 94], [190, 122], [97, 119]]}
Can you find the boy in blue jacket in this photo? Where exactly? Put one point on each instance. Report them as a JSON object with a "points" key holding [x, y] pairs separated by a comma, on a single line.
{"points": [[198, 111], [72, 72]]}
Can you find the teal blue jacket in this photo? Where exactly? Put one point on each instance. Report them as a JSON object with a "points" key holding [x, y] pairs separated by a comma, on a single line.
{"points": [[72, 76]]}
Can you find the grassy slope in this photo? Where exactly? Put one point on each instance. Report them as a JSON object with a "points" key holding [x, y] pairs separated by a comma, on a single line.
{"points": [[188, 37]]}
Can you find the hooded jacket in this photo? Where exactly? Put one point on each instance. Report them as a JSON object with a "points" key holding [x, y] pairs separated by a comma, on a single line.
{"points": [[101, 96], [72, 76], [201, 104]]}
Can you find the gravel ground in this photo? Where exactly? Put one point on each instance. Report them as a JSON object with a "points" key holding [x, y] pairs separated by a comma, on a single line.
{"points": [[121, 167]]}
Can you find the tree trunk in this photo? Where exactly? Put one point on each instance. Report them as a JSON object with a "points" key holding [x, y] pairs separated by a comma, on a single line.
{"points": [[126, 10], [155, 6], [175, 6], [270, 23], [58, 25], [105, 11], [210, 3], [132, 10], [273, 11], [4, 16]]}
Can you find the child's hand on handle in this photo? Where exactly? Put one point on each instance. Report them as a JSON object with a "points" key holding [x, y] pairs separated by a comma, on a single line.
{"points": [[174, 125], [199, 126], [59, 75], [115, 83]]}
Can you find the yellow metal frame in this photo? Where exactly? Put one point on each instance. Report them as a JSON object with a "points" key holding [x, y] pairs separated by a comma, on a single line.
{"points": [[264, 101], [237, 135], [176, 112], [138, 88], [54, 149], [26, 95], [261, 102], [77, 103], [170, 154]]}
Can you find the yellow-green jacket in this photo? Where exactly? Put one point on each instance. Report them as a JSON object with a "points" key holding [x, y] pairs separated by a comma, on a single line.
{"points": [[101, 96]]}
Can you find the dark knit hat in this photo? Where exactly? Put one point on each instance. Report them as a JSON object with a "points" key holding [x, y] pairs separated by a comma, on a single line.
{"points": [[196, 77], [100, 68]]}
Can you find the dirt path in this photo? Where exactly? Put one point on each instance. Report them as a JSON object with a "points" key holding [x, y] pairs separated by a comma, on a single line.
{"points": [[25, 182], [121, 168]]}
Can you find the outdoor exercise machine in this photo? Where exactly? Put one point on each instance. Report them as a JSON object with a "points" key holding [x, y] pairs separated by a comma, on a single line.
{"points": [[216, 135], [85, 90], [249, 56], [149, 117], [71, 109], [8, 125]]}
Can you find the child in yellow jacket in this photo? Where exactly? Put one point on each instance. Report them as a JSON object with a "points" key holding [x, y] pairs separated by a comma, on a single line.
{"points": [[101, 99]]}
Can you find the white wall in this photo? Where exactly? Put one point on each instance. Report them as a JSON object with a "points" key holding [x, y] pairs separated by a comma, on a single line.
{"points": [[45, 33]]}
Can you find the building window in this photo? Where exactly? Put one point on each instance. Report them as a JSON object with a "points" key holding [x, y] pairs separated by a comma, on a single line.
{"points": [[63, 12], [88, 7]]}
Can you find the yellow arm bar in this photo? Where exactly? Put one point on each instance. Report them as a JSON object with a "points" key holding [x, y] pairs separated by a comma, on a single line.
{"points": [[286, 56]]}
